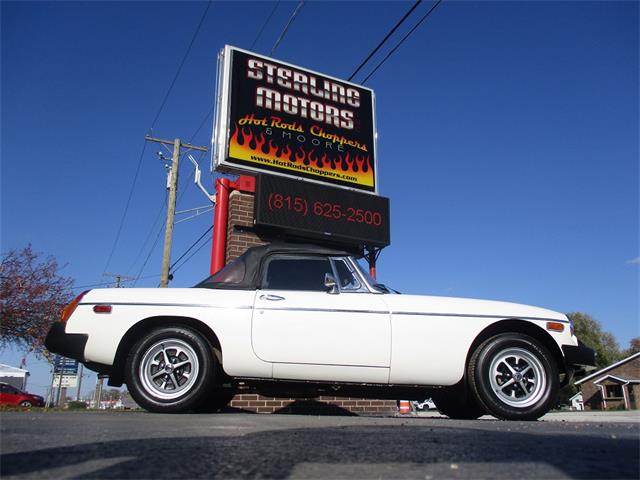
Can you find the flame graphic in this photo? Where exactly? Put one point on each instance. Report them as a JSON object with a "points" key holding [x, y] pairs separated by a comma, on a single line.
{"points": [[247, 146]]}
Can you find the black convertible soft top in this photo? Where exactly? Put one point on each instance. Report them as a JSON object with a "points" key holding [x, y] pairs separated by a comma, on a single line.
{"points": [[244, 272]]}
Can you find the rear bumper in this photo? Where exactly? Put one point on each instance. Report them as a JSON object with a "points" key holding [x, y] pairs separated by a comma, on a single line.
{"points": [[70, 345]]}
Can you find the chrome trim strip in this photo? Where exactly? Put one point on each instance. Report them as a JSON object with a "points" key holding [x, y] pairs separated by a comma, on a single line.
{"points": [[419, 314], [336, 310], [333, 310], [137, 304], [505, 317]]}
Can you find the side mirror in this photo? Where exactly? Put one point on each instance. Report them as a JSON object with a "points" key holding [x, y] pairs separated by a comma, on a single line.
{"points": [[330, 283]]}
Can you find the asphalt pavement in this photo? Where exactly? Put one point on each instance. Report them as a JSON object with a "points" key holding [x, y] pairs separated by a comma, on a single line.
{"points": [[137, 445]]}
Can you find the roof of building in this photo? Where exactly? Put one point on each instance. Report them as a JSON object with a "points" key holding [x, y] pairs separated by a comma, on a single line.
{"points": [[9, 371], [610, 367]]}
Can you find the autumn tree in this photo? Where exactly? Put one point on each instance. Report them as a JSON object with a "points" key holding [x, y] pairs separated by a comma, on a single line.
{"points": [[634, 347], [32, 295]]}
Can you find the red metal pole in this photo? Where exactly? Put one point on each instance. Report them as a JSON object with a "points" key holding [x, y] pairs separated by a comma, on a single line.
{"points": [[221, 214], [372, 264]]}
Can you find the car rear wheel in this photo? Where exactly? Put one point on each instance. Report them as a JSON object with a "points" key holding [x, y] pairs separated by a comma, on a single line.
{"points": [[26, 403], [514, 377], [170, 370]]}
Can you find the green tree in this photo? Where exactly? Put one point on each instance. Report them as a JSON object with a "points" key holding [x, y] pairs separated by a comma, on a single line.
{"points": [[590, 332], [32, 295]]}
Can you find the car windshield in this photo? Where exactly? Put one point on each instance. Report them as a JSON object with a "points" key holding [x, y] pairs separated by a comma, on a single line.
{"points": [[380, 287]]}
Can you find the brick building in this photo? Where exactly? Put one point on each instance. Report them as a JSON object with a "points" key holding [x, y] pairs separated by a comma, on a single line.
{"points": [[616, 387], [240, 236]]}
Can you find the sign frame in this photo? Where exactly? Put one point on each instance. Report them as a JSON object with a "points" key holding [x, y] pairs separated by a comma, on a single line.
{"points": [[222, 126]]}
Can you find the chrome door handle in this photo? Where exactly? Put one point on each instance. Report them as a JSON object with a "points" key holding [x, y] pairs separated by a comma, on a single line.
{"points": [[273, 298]]}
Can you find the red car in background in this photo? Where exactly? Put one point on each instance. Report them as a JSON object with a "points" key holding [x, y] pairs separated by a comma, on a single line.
{"points": [[10, 395]]}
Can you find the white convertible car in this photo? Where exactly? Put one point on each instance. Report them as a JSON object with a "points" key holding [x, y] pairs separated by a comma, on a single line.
{"points": [[294, 320]]}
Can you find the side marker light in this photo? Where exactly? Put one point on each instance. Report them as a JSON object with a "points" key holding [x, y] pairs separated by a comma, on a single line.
{"points": [[555, 326], [102, 308]]}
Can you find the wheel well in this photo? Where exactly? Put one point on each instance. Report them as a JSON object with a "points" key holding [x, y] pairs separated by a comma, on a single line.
{"points": [[520, 326], [116, 376]]}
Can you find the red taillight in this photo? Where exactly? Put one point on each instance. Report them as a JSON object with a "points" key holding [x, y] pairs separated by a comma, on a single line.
{"points": [[69, 309], [102, 308]]}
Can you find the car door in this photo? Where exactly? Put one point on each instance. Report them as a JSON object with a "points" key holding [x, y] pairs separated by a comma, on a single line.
{"points": [[297, 322], [9, 395]]}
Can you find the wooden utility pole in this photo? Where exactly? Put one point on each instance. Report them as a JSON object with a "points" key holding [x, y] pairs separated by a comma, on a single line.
{"points": [[172, 185]]}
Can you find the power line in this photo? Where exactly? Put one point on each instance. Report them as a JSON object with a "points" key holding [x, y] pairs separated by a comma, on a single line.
{"points": [[373, 52], [273, 10], [189, 249], [191, 256], [126, 208], [286, 27], [153, 226], [153, 123], [403, 39], [153, 247], [184, 58], [91, 285]]}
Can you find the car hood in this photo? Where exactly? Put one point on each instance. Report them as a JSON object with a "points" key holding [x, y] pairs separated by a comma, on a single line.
{"points": [[419, 304]]}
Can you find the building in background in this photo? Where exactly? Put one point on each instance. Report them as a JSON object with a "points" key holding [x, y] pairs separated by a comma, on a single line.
{"points": [[616, 387], [14, 376]]}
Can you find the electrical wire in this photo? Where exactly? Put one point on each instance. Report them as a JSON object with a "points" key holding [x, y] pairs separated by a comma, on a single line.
{"points": [[153, 123], [402, 40], [286, 27], [91, 285], [126, 208], [184, 59], [383, 41], [153, 247], [273, 10], [190, 256], [189, 249]]}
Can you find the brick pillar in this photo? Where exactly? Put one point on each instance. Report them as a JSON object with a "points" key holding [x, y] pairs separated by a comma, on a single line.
{"points": [[241, 215]]}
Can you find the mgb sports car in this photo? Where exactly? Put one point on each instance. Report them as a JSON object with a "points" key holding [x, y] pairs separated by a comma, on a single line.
{"points": [[293, 320]]}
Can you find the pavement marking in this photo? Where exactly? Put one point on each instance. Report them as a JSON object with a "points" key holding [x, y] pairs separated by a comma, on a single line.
{"points": [[73, 470]]}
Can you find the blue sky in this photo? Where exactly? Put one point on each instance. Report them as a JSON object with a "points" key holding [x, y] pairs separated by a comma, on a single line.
{"points": [[508, 139]]}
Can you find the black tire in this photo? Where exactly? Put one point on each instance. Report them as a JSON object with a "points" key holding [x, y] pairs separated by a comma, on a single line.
{"points": [[514, 377], [26, 403], [158, 385], [458, 404]]}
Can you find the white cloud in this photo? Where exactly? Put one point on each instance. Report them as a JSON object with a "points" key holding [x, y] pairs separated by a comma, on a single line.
{"points": [[634, 261]]}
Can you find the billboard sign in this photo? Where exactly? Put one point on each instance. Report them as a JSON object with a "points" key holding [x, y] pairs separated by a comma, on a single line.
{"points": [[65, 365], [66, 381], [321, 212], [278, 118]]}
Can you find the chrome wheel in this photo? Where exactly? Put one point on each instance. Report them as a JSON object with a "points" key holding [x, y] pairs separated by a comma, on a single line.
{"points": [[517, 377], [169, 369]]}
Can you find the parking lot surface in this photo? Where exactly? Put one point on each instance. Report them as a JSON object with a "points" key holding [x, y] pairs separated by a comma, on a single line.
{"points": [[40, 444]]}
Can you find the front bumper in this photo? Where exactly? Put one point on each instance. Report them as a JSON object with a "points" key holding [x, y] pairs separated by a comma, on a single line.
{"points": [[579, 356], [70, 345]]}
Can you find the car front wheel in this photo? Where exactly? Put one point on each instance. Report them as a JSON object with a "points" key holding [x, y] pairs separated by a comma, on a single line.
{"points": [[170, 370], [514, 377], [26, 403]]}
